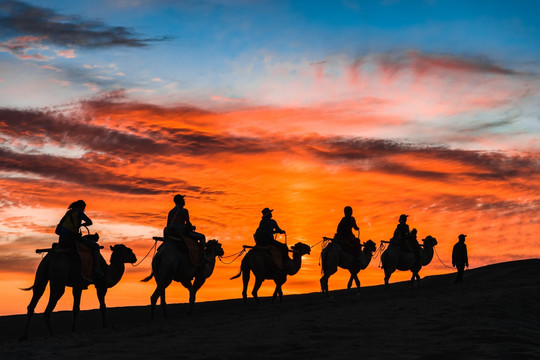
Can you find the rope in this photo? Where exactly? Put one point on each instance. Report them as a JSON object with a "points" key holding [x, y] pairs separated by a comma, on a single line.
{"points": [[317, 243], [145, 256], [238, 254], [435, 250], [380, 250]]}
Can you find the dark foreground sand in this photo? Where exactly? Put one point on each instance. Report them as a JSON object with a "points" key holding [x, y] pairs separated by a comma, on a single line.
{"points": [[495, 314]]}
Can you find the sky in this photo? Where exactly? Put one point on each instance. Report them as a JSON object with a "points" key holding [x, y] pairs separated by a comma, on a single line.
{"points": [[426, 108]]}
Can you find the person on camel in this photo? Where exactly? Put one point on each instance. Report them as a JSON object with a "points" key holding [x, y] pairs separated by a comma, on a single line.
{"points": [[264, 235], [402, 232], [412, 243], [344, 234], [178, 224], [70, 232]]}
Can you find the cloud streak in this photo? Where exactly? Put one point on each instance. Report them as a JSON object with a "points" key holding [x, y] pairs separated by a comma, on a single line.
{"points": [[17, 17]]}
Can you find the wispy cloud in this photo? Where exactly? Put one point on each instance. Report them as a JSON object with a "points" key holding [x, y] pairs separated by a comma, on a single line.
{"points": [[17, 17]]}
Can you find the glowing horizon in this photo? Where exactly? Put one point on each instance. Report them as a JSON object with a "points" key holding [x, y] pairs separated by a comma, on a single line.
{"points": [[305, 119]]}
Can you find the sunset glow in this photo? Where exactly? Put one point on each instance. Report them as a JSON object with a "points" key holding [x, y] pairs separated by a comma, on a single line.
{"points": [[434, 115]]}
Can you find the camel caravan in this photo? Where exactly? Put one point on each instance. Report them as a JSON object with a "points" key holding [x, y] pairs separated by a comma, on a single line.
{"points": [[185, 256]]}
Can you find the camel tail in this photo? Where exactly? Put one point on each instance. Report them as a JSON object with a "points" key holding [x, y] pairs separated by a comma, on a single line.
{"points": [[148, 277], [27, 289], [237, 275]]}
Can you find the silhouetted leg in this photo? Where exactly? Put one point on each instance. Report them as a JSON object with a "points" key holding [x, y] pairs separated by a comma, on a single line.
{"points": [[387, 275], [161, 285], [189, 286], [278, 291], [460, 269], [256, 287], [101, 292], [324, 284], [37, 292], [55, 294], [197, 284], [245, 282], [163, 303], [356, 281], [77, 291]]}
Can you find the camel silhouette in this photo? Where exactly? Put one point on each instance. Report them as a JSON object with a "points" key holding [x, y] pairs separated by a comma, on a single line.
{"points": [[61, 269], [261, 263], [395, 258], [173, 263], [333, 256]]}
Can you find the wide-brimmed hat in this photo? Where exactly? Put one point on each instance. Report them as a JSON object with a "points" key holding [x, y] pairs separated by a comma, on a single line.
{"points": [[267, 211]]}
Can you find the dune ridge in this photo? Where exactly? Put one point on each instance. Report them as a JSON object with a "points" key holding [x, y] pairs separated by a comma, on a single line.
{"points": [[494, 314]]}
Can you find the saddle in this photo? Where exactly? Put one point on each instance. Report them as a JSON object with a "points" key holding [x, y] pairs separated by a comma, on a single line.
{"points": [[276, 254], [78, 252], [190, 246], [87, 261]]}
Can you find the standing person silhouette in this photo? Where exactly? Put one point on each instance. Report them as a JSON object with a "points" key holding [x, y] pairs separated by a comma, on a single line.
{"points": [[264, 235], [460, 259], [344, 232], [70, 232]]}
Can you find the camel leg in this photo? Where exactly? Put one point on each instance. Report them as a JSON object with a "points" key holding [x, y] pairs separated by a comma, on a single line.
{"points": [[324, 284], [163, 303], [328, 270], [278, 291], [387, 275], [101, 292], [417, 277], [256, 287], [161, 285], [356, 281], [197, 284], [38, 289], [57, 290], [77, 291], [245, 282]]}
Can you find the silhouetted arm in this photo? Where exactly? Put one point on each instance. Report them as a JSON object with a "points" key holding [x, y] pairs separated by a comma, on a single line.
{"points": [[277, 229], [86, 219]]}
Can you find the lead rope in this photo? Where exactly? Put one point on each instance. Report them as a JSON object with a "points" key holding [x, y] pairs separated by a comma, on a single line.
{"points": [[148, 253], [238, 254], [435, 250]]}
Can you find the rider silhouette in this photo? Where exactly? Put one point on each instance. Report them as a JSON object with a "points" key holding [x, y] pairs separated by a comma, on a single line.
{"points": [[264, 235], [402, 232], [70, 232], [178, 222], [344, 234]]}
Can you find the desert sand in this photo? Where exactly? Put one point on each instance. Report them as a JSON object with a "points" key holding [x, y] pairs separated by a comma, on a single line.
{"points": [[494, 314]]}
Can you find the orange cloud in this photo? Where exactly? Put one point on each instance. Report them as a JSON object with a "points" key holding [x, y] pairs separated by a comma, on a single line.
{"points": [[133, 157]]}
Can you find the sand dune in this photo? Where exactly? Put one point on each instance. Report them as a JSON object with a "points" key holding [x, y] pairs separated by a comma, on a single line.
{"points": [[495, 314]]}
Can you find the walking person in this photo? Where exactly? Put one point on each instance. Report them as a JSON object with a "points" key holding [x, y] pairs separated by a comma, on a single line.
{"points": [[460, 259]]}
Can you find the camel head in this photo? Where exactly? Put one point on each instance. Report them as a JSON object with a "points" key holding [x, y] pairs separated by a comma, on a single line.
{"points": [[370, 246], [123, 252], [214, 244], [430, 241], [301, 249]]}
